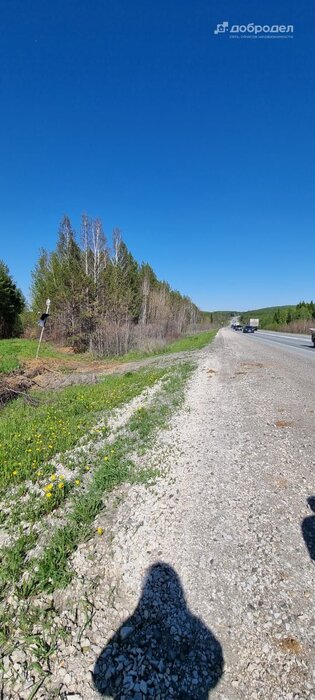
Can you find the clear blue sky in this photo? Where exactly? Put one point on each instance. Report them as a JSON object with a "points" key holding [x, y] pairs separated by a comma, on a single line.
{"points": [[200, 148]]}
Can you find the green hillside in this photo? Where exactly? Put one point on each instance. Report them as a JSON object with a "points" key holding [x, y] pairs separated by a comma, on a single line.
{"points": [[296, 318]]}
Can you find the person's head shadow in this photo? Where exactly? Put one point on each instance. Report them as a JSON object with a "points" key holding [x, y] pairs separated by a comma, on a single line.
{"points": [[308, 529], [162, 650]]}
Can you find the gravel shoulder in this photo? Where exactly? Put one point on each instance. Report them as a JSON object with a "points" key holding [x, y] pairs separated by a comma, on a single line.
{"points": [[232, 583]]}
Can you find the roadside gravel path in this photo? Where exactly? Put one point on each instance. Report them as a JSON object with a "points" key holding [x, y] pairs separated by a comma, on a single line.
{"points": [[227, 521]]}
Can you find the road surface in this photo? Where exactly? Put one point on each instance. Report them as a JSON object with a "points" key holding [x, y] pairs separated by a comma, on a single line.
{"points": [[297, 343]]}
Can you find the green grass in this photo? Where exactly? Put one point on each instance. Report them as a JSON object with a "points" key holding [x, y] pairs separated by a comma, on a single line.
{"points": [[51, 570], [12, 560], [190, 342], [31, 435], [146, 421], [14, 351], [112, 467]]}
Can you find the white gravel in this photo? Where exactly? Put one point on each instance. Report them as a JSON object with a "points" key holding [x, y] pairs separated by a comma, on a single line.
{"points": [[227, 518]]}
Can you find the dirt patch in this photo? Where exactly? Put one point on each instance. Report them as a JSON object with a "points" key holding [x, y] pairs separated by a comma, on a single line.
{"points": [[51, 373], [97, 366], [279, 482], [284, 423], [291, 645], [68, 350], [13, 386], [211, 372]]}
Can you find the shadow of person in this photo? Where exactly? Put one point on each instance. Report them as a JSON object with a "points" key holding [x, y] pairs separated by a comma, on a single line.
{"points": [[308, 529], [162, 650]]}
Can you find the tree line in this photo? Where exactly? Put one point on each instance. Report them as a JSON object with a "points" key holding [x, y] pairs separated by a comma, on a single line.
{"points": [[296, 318], [102, 300]]}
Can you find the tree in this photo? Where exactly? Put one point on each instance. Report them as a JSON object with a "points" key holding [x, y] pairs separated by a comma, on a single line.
{"points": [[289, 316], [86, 240], [61, 277], [99, 250], [12, 304], [103, 300], [125, 280], [43, 285], [147, 280]]}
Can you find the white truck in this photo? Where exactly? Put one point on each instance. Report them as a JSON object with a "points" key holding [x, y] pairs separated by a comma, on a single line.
{"points": [[254, 322]]}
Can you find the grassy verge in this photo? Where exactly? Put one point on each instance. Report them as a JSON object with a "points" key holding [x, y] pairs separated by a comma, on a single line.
{"points": [[112, 465], [190, 342], [16, 350], [31, 435]]}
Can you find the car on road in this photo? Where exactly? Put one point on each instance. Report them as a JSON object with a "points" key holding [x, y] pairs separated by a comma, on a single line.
{"points": [[248, 329], [238, 327]]}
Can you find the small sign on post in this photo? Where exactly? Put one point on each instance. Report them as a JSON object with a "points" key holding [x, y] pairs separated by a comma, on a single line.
{"points": [[42, 323]]}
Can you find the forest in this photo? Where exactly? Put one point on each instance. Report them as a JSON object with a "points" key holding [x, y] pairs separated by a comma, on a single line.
{"points": [[102, 300], [295, 318]]}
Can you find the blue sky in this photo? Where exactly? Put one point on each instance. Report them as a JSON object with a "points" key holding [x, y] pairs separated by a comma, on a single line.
{"points": [[200, 148]]}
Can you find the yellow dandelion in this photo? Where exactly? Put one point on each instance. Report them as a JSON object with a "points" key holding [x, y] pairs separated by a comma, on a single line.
{"points": [[106, 459], [48, 487], [14, 473], [100, 531], [77, 482], [61, 477], [48, 494], [53, 477], [60, 485]]}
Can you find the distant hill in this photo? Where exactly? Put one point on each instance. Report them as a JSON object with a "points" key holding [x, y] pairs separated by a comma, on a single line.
{"points": [[268, 309]]}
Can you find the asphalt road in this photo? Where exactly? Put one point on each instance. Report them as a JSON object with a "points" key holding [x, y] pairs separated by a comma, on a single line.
{"points": [[298, 344]]}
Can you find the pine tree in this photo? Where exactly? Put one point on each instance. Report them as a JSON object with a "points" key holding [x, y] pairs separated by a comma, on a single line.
{"points": [[11, 304]]}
